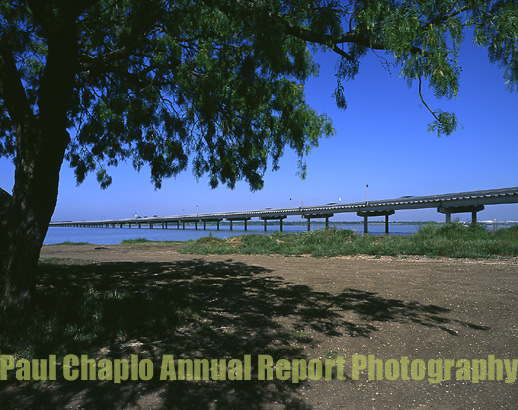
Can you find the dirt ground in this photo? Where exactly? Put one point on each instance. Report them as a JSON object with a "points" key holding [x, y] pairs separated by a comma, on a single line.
{"points": [[313, 308]]}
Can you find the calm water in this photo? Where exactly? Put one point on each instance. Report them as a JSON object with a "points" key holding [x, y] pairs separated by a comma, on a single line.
{"points": [[112, 236]]}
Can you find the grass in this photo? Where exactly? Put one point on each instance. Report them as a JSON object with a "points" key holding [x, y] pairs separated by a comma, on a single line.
{"points": [[138, 241], [72, 243], [449, 240], [71, 318]]}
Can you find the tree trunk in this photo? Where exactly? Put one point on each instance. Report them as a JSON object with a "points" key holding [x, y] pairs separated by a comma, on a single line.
{"points": [[41, 140], [6, 201], [26, 220]]}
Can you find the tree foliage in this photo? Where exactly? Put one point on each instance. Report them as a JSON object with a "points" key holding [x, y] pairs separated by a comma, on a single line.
{"points": [[221, 81], [160, 81]]}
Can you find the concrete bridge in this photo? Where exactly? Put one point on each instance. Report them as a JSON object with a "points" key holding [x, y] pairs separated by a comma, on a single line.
{"points": [[447, 204]]}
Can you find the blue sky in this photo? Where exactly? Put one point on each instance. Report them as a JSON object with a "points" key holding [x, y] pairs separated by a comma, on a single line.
{"points": [[381, 140]]}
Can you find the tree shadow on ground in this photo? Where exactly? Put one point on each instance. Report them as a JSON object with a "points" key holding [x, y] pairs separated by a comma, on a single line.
{"points": [[189, 309]]}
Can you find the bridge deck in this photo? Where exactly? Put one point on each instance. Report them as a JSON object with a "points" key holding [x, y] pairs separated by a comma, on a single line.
{"points": [[472, 201]]}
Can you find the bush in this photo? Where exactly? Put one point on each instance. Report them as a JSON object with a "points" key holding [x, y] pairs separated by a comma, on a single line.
{"points": [[433, 239]]}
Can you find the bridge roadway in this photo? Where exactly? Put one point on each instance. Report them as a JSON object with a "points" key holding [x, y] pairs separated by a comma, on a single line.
{"points": [[460, 202]]}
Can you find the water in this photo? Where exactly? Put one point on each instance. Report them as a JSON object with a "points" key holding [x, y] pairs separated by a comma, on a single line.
{"points": [[113, 236]]}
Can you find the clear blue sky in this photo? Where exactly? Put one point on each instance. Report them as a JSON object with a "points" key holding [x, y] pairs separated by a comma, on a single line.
{"points": [[381, 140]]}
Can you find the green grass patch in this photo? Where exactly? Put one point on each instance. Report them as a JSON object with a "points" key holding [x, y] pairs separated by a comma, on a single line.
{"points": [[71, 243], [135, 241], [69, 318], [138, 241], [449, 240]]}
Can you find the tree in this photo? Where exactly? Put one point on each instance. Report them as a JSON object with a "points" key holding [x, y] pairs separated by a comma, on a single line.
{"points": [[220, 81]]}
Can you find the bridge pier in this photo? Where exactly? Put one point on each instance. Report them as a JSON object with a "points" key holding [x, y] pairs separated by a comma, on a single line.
{"points": [[366, 215], [314, 216], [217, 220], [272, 218], [461, 209], [245, 219]]}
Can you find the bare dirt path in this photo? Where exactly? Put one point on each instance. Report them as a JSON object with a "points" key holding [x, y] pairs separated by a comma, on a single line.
{"points": [[308, 308]]}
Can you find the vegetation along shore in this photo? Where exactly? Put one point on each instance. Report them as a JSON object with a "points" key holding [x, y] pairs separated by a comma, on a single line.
{"points": [[450, 240]]}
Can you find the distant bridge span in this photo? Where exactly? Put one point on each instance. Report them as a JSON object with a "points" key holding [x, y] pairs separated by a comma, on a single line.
{"points": [[472, 201]]}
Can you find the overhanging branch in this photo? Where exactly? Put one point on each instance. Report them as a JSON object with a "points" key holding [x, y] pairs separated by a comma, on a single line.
{"points": [[12, 91]]}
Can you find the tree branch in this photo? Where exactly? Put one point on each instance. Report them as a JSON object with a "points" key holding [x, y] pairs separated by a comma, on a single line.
{"points": [[424, 102], [12, 91], [442, 19]]}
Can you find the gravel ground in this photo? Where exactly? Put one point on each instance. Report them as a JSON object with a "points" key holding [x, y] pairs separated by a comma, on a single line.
{"points": [[346, 309]]}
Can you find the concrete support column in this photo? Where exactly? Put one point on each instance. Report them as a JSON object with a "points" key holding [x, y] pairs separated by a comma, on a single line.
{"points": [[280, 224], [129, 225], [183, 223], [150, 225], [178, 225], [231, 225], [217, 222], [448, 217], [474, 217], [139, 225], [327, 222], [309, 224], [204, 225], [196, 225], [265, 225], [366, 214], [246, 226], [120, 226]]}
